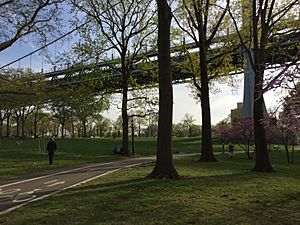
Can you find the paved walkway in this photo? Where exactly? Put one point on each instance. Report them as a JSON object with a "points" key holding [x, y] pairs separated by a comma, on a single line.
{"points": [[18, 193]]}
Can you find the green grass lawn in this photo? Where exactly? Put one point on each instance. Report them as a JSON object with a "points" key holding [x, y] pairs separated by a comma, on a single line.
{"points": [[27, 158], [225, 192], [16, 160]]}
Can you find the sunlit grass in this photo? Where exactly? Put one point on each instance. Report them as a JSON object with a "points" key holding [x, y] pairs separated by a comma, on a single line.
{"points": [[226, 192]]}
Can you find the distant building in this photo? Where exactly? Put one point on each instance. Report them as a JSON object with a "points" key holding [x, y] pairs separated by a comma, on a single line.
{"points": [[236, 113]]}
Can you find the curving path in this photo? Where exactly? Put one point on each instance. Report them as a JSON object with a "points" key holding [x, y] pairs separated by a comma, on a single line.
{"points": [[16, 194]]}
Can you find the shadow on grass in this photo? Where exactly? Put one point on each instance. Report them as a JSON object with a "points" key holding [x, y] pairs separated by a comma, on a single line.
{"points": [[210, 194]]}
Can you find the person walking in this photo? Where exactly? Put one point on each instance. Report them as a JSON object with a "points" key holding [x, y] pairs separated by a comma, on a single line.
{"points": [[51, 149]]}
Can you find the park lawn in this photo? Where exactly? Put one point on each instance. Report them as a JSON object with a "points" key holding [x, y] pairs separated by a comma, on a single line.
{"points": [[224, 192], [27, 158]]}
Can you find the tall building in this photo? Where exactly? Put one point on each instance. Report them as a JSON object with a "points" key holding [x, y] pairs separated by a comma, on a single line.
{"points": [[236, 113], [248, 98]]}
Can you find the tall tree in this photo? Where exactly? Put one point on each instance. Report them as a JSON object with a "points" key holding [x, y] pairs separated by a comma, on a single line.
{"points": [[85, 104], [164, 167], [61, 111], [269, 19], [201, 20], [125, 26]]}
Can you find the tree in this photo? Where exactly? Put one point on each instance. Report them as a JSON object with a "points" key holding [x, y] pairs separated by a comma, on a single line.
{"points": [[61, 111], [287, 121], [164, 167], [186, 128], [141, 104], [125, 25], [103, 126], [242, 133], [21, 18], [188, 121], [85, 104], [21, 91], [21, 115], [201, 21], [221, 131], [3, 115], [269, 19], [37, 116]]}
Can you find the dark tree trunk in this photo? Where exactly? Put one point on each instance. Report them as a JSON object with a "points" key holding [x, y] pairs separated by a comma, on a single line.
{"points": [[78, 131], [73, 129], [164, 167], [1, 127], [132, 138], [2, 118], [35, 125], [125, 150], [23, 128], [84, 128], [286, 148], [207, 154], [8, 124], [139, 130], [262, 161], [18, 126], [62, 130]]}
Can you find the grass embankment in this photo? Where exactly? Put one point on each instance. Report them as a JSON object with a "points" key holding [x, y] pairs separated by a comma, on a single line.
{"points": [[20, 159], [226, 192]]}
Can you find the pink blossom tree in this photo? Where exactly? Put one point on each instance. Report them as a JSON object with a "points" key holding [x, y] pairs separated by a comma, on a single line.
{"points": [[242, 134], [221, 131], [288, 122]]}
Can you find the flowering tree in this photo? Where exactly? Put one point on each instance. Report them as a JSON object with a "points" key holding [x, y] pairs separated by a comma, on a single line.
{"points": [[242, 134], [265, 22], [287, 126], [222, 132]]}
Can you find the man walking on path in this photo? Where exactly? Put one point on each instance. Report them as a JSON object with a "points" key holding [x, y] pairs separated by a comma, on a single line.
{"points": [[51, 149]]}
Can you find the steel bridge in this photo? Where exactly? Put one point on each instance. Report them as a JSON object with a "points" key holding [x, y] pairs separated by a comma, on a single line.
{"points": [[282, 49]]}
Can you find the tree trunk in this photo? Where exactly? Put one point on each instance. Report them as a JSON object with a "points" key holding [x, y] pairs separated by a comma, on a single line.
{"points": [[124, 150], [164, 167], [8, 124], [84, 128], [286, 148], [78, 131], [262, 161], [18, 125], [35, 125], [139, 130], [22, 127], [62, 130], [207, 154], [73, 129], [1, 127]]}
